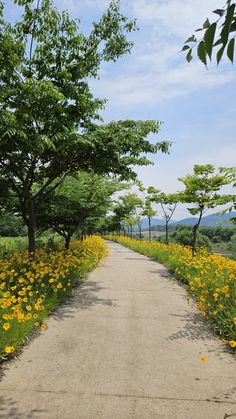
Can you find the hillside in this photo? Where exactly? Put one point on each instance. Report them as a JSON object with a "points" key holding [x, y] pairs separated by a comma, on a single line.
{"points": [[212, 220]]}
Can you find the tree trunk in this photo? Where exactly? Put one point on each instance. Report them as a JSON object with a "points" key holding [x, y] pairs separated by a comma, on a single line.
{"points": [[195, 228], [194, 239], [31, 226], [131, 231], [67, 242], [149, 229], [140, 232], [167, 233]]}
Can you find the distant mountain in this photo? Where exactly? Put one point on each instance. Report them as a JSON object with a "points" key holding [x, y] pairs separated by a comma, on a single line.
{"points": [[214, 220], [155, 221]]}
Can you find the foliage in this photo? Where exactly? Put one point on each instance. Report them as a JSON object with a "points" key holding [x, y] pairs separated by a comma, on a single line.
{"points": [[219, 35], [129, 210], [230, 173], [218, 234], [10, 244], [184, 236], [210, 279], [30, 290], [11, 225], [202, 189], [149, 212], [168, 204], [232, 245], [47, 111], [75, 201]]}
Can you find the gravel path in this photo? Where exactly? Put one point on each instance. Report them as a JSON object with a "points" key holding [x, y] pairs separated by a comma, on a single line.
{"points": [[127, 345]]}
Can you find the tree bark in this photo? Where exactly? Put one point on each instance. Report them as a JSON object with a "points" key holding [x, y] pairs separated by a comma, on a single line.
{"points": [[149, 229], [167, 233], [195, 228], [31, 226], [67, 242], [140, 232]]}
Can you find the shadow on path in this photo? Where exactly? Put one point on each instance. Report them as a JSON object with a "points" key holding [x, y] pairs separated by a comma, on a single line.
{"points": [[9, 409], [83, 299], [194, 328]]}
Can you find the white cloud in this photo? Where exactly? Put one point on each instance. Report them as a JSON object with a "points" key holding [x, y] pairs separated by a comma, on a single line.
{"points": [[153, 87], [174, 17]]}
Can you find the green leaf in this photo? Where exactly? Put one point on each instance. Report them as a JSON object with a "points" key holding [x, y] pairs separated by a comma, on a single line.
{"points": [[185, 47], [209, 39], [230, 50], [219, 12], [219, 54], [227, 24], [201, 51], [233, 26], [191, 39], [189, 56], [206, 24]]}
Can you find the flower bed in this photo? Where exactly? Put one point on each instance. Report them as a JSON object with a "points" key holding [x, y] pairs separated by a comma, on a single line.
{"points": [[30, 289]]}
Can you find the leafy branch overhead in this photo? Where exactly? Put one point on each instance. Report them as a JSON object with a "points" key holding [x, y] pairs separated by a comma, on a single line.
{"points": [[218, 36]]}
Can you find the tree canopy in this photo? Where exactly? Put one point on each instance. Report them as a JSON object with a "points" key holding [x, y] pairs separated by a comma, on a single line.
{"points": [[47, 111], [203, 190]]}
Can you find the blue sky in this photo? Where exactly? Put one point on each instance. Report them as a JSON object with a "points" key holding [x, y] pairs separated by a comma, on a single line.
{"points": [[197, 106]]}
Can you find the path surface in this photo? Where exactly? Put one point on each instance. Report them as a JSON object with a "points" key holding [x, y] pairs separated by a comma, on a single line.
{"points": [[127, 346]]}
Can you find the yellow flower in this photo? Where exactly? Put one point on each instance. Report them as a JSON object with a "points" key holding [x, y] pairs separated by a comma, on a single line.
{"points": [[59, 285], [43, 326], [9, 349], [6, 326], [232, 343], [203, 359]]}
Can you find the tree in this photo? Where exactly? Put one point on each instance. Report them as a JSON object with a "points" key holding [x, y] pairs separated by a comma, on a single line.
{"points": [[168, 203], [202, 189], [149, 212], [47, 111], [230, 173], [128, 209], [77, 201], [219, 34]]}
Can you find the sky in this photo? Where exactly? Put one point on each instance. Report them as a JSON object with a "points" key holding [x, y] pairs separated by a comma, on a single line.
{"points": [[196, 106]]}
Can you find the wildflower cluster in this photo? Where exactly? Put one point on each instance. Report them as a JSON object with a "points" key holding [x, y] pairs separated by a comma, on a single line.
{"points": [[211, 280], [30, 288]]}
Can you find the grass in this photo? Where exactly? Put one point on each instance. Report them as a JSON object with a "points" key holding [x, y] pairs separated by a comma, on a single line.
{"points": [[9, 244]]}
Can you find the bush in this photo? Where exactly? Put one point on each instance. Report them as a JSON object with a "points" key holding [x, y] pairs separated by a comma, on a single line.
{"points": [[184, 236]]}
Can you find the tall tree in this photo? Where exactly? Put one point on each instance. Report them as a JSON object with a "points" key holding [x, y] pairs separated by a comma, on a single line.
{"points": [[77, 200], [219, 35], [149, 212], [132, 208], [202, 189], [168, 203], [47, 111]]}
